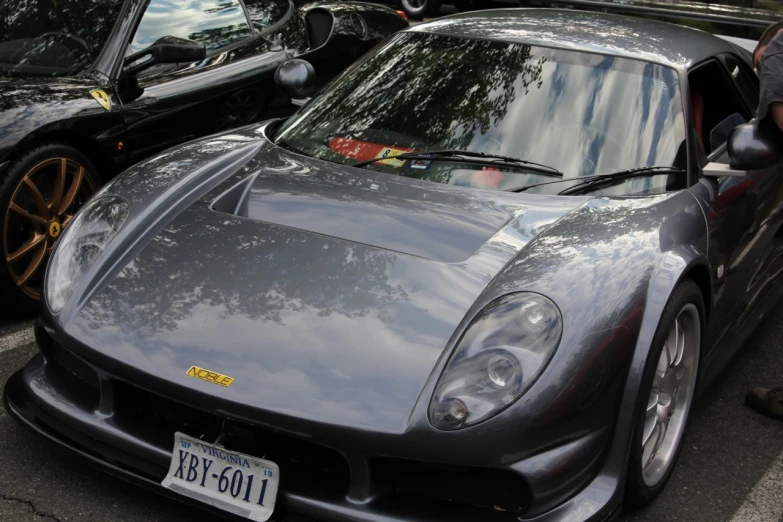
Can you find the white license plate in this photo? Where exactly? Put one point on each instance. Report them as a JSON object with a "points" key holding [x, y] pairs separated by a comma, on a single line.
{"points": [[237, 483]]}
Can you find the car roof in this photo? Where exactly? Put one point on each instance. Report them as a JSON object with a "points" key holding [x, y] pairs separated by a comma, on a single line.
{"points": [[618, 35]]}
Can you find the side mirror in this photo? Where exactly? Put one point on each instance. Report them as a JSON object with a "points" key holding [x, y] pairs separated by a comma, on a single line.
{"points": [[750, 147], [297, 77], [753, 147], [168, 49]]}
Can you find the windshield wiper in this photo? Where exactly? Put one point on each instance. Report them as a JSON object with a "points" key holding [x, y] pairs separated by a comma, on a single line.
{"points": [[466, 156], [595, 179]]}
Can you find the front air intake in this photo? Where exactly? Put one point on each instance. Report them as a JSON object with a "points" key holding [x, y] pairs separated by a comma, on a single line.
{"points": [[320, 24]]}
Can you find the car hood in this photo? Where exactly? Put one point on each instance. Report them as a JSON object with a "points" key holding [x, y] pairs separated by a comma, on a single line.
{"points": [[326, 292]]}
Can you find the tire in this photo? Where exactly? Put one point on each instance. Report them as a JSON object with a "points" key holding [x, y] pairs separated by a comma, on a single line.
{"points": [[27, 235], [649, 468], [418, 9]]}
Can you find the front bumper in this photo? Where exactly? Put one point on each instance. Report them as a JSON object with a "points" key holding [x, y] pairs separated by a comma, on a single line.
{"points": [[129, 433]]}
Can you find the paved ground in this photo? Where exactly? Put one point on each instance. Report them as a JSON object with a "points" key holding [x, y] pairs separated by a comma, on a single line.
{"points": [[731, 468]]}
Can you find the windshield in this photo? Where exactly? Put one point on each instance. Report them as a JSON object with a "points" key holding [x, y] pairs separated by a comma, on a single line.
{"points": [[580, 113], [53, 37]]}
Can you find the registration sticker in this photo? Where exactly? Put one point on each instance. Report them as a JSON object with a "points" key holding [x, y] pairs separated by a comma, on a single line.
{"points": [[388, 152], [236, 483], [420, 164]]}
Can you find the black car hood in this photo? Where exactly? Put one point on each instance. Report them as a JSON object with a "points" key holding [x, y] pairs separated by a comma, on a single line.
{"points": [[326, 292]]}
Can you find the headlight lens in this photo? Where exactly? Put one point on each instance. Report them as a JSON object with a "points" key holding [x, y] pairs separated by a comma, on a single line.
{"points": [[81, 244], [501, 354]]}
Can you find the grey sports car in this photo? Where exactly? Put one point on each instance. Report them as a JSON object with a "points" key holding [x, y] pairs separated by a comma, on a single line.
{"points": [[480, 276]]}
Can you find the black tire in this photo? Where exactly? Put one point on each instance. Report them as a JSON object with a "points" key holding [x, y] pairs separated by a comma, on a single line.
{"points": [[637, 492], [416, 10], [15, 300]]}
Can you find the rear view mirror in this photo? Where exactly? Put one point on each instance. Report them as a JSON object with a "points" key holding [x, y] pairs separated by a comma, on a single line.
{"points": [[297, 77], [168, 49]]}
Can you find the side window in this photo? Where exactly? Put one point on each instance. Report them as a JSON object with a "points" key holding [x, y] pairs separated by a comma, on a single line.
{"points": [[265, 13], [746, 80], [215, 23], [716, 104]]}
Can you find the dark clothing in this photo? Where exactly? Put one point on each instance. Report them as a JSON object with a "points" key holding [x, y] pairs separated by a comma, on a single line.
{"points": [[771, 75]]}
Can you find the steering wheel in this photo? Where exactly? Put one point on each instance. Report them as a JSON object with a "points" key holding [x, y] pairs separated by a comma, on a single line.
{"points": [[67, 36]]}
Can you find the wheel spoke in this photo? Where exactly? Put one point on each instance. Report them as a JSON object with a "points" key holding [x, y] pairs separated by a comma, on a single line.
{"points": [[25, 214], [648, 449], [38, 199], [672, 342], [652, 402], [680, 343], [25, 249], [34, 266], [67, 219], [59, 186], [73, 190], [649, 427]]}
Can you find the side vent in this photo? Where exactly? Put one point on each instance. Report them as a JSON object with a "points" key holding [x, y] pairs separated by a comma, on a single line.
{"points": [[320, 23]]}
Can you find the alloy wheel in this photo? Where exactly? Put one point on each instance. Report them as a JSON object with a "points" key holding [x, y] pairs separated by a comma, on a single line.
{"points": [[43, 203], [671, 395]]}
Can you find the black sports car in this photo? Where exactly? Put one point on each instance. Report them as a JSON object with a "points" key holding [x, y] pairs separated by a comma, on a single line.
{"points": [[481, 276], [89, 87]]}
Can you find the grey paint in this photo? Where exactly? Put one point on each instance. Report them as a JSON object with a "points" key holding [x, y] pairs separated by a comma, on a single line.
{"points": [[648, 40], [292, 275]]}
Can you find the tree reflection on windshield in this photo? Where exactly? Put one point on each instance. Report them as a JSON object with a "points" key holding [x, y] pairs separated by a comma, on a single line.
{"points": [[53, 38], [578, 112]]}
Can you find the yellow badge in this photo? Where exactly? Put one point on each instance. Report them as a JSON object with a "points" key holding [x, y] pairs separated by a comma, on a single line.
{"points": [[209, 376], [102, 98], [54, 229], [388, 152]]}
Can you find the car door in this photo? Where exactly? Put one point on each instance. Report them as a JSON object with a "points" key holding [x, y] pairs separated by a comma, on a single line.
{"points": [[169, 104], [745, 210]]}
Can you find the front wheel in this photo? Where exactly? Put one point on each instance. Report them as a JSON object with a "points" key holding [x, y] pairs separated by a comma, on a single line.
{"points": [[666, 395], [39, 194], [418, 9]]}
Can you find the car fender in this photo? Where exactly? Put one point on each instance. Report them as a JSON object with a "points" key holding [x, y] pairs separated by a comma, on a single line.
{"points": [[610, 265], [62, 109]]}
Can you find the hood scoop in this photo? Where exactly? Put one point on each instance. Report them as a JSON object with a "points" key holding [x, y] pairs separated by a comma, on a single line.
{"points": [[423, 219]]}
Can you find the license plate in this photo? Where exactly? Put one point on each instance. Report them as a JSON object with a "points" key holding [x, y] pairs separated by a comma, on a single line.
{"points": [[234, 482]]}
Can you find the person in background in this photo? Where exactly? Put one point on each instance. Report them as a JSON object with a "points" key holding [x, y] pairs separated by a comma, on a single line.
{"points": [[768, 60]]}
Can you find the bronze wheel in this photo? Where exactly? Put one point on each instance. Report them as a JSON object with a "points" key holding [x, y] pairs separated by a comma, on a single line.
{"points": [[42, 204]]}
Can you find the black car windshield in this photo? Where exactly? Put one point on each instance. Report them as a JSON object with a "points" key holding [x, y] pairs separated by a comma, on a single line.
{"points": [[53, 37], [580, 113]]}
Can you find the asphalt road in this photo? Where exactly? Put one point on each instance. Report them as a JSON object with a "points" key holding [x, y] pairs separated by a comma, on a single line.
{"points": [[731, 468]]}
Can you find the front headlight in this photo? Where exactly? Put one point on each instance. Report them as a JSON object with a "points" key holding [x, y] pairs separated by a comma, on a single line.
{"points": [[80, 245], [501, 354]]}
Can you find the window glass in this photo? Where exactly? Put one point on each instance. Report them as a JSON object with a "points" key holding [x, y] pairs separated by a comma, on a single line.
{"points": [[578, 112], [746, 81], [264, 13], [53, 38], [214, 23]]}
